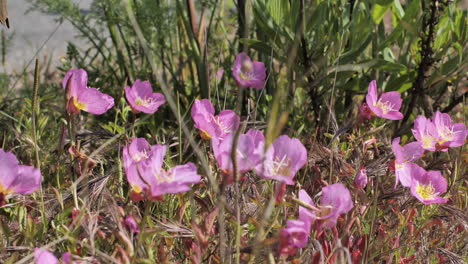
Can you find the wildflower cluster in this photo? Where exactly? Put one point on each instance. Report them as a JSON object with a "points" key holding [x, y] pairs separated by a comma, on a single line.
{"points": [[437, 134], [241, 154]]}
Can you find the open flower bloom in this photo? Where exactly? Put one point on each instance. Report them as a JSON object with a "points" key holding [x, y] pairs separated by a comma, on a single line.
{"points": [[211, 126], [42, 256], [15, 178], [404, 156], [360, 181], [145, 173], [335, 201], [80, 97], [387, 106], [426, 186], [135, 157], [249, 151], [449, 134], [425, 132], [282, 160], [142, 99], [248, 73]]}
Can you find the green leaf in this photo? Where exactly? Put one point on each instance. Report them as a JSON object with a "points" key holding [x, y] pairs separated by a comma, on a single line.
{"points": [[378, 12]]}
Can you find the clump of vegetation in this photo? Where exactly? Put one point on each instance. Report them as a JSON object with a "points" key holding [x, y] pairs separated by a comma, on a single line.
{"points": [[246, 131]]}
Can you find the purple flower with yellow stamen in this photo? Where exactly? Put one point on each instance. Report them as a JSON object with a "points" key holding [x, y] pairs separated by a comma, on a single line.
{"points": [[427, 186], [425, 132], [249, 151], [387, 106], [80, 97], [15, 178], [210, 125], [248, 73], [449, 134], [335, 201], [283, 159], [144, 169], [404, 158], [142, 99]]}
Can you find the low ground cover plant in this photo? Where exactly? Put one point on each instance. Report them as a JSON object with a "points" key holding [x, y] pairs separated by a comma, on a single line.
{"points": [[250, 156]]}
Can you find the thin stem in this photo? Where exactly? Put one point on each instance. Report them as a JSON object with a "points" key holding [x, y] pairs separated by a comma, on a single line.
{"points": [[34, 136]]}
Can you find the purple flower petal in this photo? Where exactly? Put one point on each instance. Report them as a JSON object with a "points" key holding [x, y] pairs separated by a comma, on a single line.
{"points": [[78, 82], [80, 97], [296, 234], [283, 159], [448, 133], [141, 97], [338, 199], [131, 224], [427, 186], [93, 101], [15, 178], [387, 106], [424, 131], [306, 215], [360, 181], [248, 73], [42, 256]]}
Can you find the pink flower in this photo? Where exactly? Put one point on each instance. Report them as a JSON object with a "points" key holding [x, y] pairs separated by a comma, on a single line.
{"points": [[81, 97], [425, 132], [131, 224], [404, 156], [361, 178], [142, 99], [15, 178], [67, 258], [211, 126], [426, 186], [143, 166], [135, 157], [296, 233], [449, 134], [387, 106], [42, 256], [335, 201], [248, 73], [282, 160], [249, 151]]}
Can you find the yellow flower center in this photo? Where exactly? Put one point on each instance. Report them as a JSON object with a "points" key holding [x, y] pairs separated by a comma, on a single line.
{"points": [[136, 189], [446, 134], [79, 105], [204, 135], [146, 102], [427, 192], [384, 106], [4, 189], [427, 141]]}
